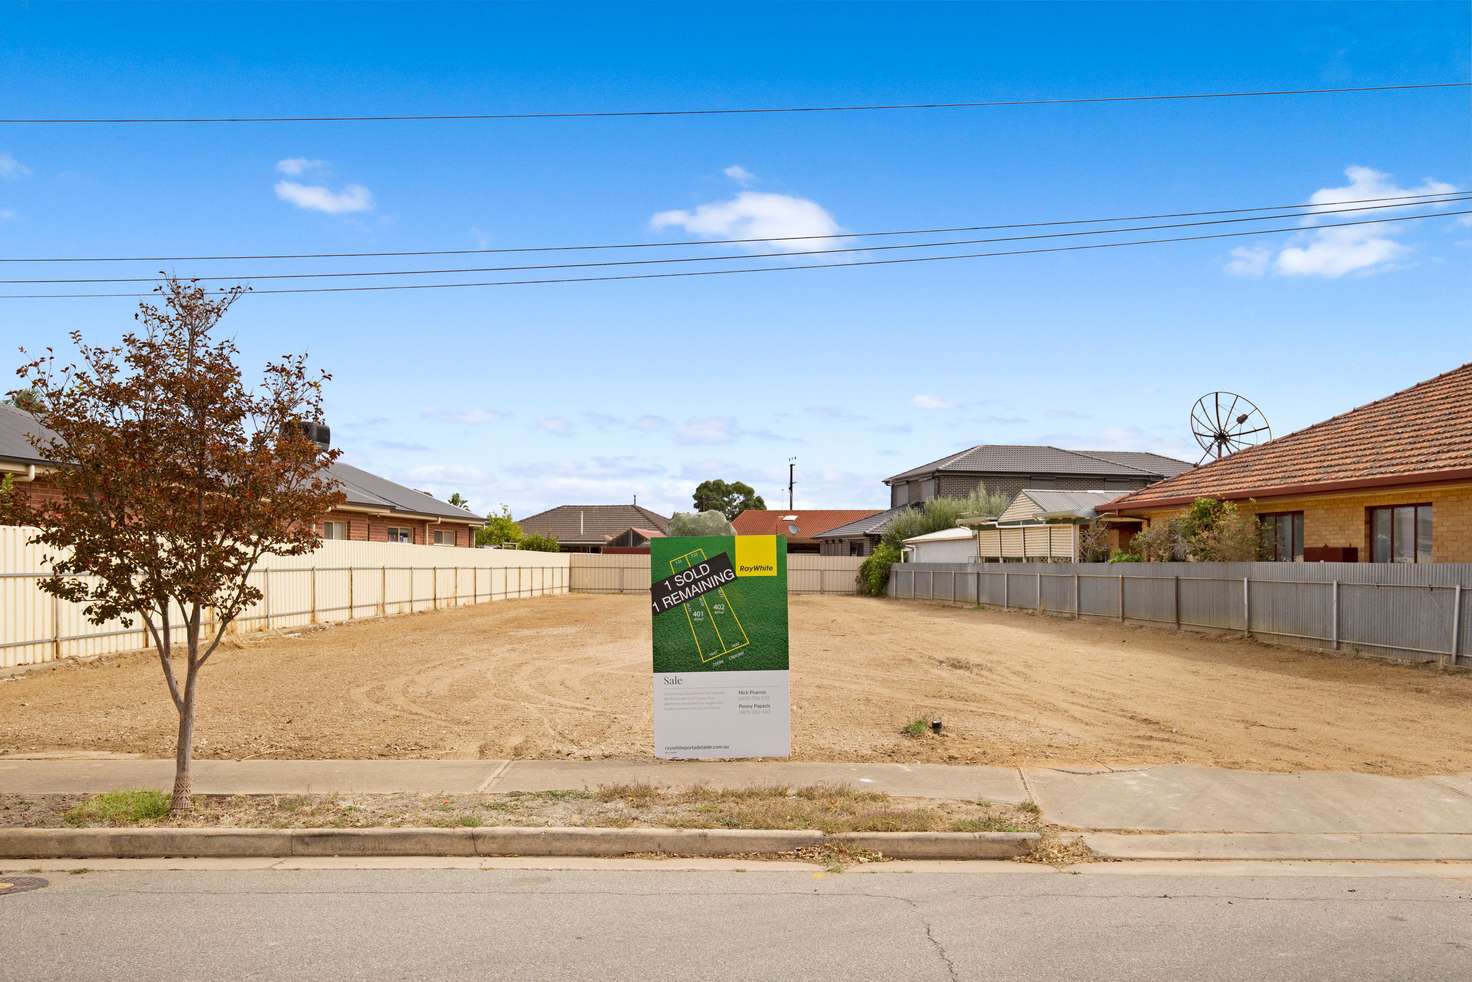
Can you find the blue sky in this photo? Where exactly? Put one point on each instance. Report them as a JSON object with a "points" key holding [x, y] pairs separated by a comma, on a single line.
{"points": [[595, 392]]}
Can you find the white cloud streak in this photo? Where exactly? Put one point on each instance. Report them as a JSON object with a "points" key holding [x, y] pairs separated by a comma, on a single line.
{"points": [[1334, 252], [316, 197], [297, 166], [754, 215], [12, 169]]}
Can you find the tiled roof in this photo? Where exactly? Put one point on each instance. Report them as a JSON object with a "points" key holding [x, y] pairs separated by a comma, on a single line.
{"points": [[1077, 504], [807, 524], [371, 491], [874, 524], [591, 524], [360, 487], [1417, 436], [14, 426], [1024, 459]]}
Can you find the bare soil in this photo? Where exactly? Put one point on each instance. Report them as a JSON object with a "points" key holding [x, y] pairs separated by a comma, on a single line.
{"points": [[569, 677]]}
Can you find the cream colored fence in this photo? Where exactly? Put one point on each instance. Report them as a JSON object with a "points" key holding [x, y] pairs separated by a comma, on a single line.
{"points": [[630, 573], [341, 581]]}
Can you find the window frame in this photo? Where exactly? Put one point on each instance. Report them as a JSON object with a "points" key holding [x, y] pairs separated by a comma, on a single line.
{"points": [[1415, 551], [1296, 535], [392, 532], [450, 532], [327, 530]]}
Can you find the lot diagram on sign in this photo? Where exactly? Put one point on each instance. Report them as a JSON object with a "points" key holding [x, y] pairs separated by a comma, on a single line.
{"points": [[714, 624]]}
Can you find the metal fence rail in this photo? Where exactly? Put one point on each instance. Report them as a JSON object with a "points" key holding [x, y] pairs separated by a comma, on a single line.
{"points": [[629, 573], [1407, 612]]}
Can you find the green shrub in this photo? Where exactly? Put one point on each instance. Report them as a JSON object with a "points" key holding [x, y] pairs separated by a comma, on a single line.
{"points": [[500, 529], [1120, 556], [873, 578], [539, 543]]}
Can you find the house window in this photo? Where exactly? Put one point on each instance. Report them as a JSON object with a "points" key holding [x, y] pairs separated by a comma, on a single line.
{"points": [[399, 534], [334, 530], [855, 547], [444, 537], [1401, 534], [1283, 536]]}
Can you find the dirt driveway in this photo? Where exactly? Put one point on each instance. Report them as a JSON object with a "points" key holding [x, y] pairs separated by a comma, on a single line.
{"points": [[569, 677]]}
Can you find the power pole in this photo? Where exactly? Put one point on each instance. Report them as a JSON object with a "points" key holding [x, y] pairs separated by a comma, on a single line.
{"points": [[791, 471]]}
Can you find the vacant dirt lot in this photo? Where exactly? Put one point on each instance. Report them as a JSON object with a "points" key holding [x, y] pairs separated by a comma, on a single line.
{"points": [[569, 677]]}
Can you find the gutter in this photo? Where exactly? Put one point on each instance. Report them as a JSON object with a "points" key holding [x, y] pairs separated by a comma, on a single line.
{"points": [[1286, 490], [389, 513], [29, 470]]}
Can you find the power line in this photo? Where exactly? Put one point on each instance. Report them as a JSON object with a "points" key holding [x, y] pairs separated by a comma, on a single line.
{"points": [[764, 269], [749, 110], [1409, 199], [246, 277]]}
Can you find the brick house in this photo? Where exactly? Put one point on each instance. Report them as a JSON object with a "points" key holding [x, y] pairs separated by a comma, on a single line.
{"points": [[589, 528], [801, 527], [375, 510], [1390, 481]]}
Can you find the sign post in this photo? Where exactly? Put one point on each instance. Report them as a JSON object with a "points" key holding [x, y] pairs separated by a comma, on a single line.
{"points": [[719, 604]]}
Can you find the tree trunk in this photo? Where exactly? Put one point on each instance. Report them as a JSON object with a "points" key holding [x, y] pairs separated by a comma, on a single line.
{"points": [[184, 751]]}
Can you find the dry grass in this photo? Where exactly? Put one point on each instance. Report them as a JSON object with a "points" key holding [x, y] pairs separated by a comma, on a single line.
{"points": [[827, 808]]}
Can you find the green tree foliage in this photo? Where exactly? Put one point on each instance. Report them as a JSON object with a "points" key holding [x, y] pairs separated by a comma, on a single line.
{"points": [[500, 529], [703, 523], [873, 577], [458, 500], [987, 504], [539, 543], [26, 399], [729, 499], [1210, 531]]}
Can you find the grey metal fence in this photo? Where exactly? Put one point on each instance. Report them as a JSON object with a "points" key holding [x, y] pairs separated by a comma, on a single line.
{"points": [[1408, 612]]}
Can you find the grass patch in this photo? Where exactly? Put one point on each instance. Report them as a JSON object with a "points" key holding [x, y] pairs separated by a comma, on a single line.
{"points": [[915, 728], [120, 808]]}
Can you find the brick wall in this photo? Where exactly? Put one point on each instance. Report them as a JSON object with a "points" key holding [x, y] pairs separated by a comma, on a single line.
{"points": [[1342, 519]]}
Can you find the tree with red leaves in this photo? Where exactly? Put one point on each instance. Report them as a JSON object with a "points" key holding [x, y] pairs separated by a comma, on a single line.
{"points": [[175, 478]]}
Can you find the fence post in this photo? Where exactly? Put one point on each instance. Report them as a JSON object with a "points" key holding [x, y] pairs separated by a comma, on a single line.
{"points": [[1040, 590], [267, 598], [55, 627], [434, 588], [932, 585], [411, 589], [1077, 610], [1456, 624], [312, 572], [1175, 599], [1246, 607], [1121, 598], [518, 582], [1334, 612], [457, 586], [352, 607], [1004, 589], [383, 591]]}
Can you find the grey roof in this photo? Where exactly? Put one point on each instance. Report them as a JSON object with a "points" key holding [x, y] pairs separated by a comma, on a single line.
{"points": [[14, 425], [361, 488], [989, 458], [1077, 504], [591, 524], [371, 491], [872, 525]]}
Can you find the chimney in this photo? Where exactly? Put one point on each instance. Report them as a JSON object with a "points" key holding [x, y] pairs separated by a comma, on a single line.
{"points": [[315, 430]]}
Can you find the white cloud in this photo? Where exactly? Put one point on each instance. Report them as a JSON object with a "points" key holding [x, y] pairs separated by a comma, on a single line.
{"points": [[1335, 252], [471, 417], [556, 425], [739, 174], [315, 197], [924, 401], [6, 215], [754, 215], [297, 166], [1250, 260], [12, 169]]}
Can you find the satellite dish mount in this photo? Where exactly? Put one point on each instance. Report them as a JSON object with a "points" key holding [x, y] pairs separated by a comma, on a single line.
{"points": [[1225, 422]]}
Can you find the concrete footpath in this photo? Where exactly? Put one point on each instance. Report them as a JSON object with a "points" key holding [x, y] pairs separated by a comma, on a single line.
{"points": [[1165, 812]]}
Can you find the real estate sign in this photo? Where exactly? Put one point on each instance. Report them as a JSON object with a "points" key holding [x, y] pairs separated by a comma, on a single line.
{"points": [[719, 604]]}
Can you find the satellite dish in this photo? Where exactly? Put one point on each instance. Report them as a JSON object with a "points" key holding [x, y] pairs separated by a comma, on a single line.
{"points": [[1224, 422]]}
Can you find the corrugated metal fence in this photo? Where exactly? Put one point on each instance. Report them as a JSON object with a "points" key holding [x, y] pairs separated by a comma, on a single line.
{"points": [[1408, 612], [630, 573], [341, 581]]}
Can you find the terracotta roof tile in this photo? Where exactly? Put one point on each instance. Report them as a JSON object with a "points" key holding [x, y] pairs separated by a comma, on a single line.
{"points": [[1419, 435], [809, 523]]}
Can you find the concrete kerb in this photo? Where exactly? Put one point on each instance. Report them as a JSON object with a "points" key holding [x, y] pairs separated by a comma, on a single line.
{"points": [[113, 843]]}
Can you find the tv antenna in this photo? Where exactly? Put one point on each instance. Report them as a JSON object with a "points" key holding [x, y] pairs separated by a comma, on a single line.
{"points": [[791, 479], [1225, 422]]}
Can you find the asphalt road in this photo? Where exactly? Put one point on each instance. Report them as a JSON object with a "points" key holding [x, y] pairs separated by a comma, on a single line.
{"points": [[657, 925]]}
